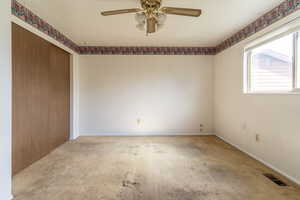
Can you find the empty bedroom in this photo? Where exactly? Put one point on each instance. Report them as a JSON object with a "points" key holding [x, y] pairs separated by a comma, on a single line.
{"points": [[150, 100]]}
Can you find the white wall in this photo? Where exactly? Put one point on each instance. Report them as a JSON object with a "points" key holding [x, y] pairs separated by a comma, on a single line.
{"points": [[238, 117], [5, 100], [170, 94]]}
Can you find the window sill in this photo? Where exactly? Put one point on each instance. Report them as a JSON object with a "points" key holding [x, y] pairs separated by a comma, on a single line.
{"points": [[294, 92]]}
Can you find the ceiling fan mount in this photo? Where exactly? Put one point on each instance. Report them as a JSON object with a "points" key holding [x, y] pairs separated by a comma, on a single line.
{"points": [[152, 15], [151, 4]]}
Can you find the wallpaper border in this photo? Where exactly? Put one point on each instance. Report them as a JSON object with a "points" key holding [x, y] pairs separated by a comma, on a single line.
{"points": [[147, 50]]}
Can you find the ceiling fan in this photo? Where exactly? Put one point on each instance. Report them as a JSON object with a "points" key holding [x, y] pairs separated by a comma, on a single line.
{"points": [[152, 15]]}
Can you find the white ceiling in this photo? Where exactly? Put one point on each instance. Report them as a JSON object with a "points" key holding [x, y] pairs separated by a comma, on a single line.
{"points": [[81, 21]]}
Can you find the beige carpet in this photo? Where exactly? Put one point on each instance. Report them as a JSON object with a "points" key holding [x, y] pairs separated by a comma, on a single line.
{"points": [[149, 168]]}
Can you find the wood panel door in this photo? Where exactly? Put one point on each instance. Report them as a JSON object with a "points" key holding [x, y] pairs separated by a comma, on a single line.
{"points": [[59, 96], [41, 96]]}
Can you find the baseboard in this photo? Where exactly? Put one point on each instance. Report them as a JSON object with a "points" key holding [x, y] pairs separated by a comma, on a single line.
{"points": [[133, 134], [261, 160], [74, 137]]}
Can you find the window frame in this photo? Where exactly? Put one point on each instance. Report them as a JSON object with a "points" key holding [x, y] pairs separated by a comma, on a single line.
{"points": [[296, 62], [295, 66]]}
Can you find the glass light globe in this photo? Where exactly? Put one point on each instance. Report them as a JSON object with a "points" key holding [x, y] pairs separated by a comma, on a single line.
{"points": [[141, 27], [161, 18], [160, 26], [140, 18]]}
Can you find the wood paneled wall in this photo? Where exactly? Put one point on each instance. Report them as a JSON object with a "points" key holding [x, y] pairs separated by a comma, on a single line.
{"points": [[41, 97]]}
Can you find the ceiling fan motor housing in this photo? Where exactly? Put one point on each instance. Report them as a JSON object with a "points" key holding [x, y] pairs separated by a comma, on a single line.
{"points": [[151, 4]]}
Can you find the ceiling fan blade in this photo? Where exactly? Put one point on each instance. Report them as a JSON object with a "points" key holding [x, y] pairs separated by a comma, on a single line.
{"points": [[117, 12], [182, 11]]}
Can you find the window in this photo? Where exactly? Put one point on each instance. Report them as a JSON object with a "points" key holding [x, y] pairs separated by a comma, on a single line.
{"points": [[273, 67]]}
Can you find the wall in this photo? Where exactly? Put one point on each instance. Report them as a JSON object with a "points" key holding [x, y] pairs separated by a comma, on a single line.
{"points": [[238, 117], [169, 94], [5, 100]]}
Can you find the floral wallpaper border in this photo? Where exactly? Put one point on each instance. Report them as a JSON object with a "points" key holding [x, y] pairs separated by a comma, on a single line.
{"points": [[148, 50]]}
